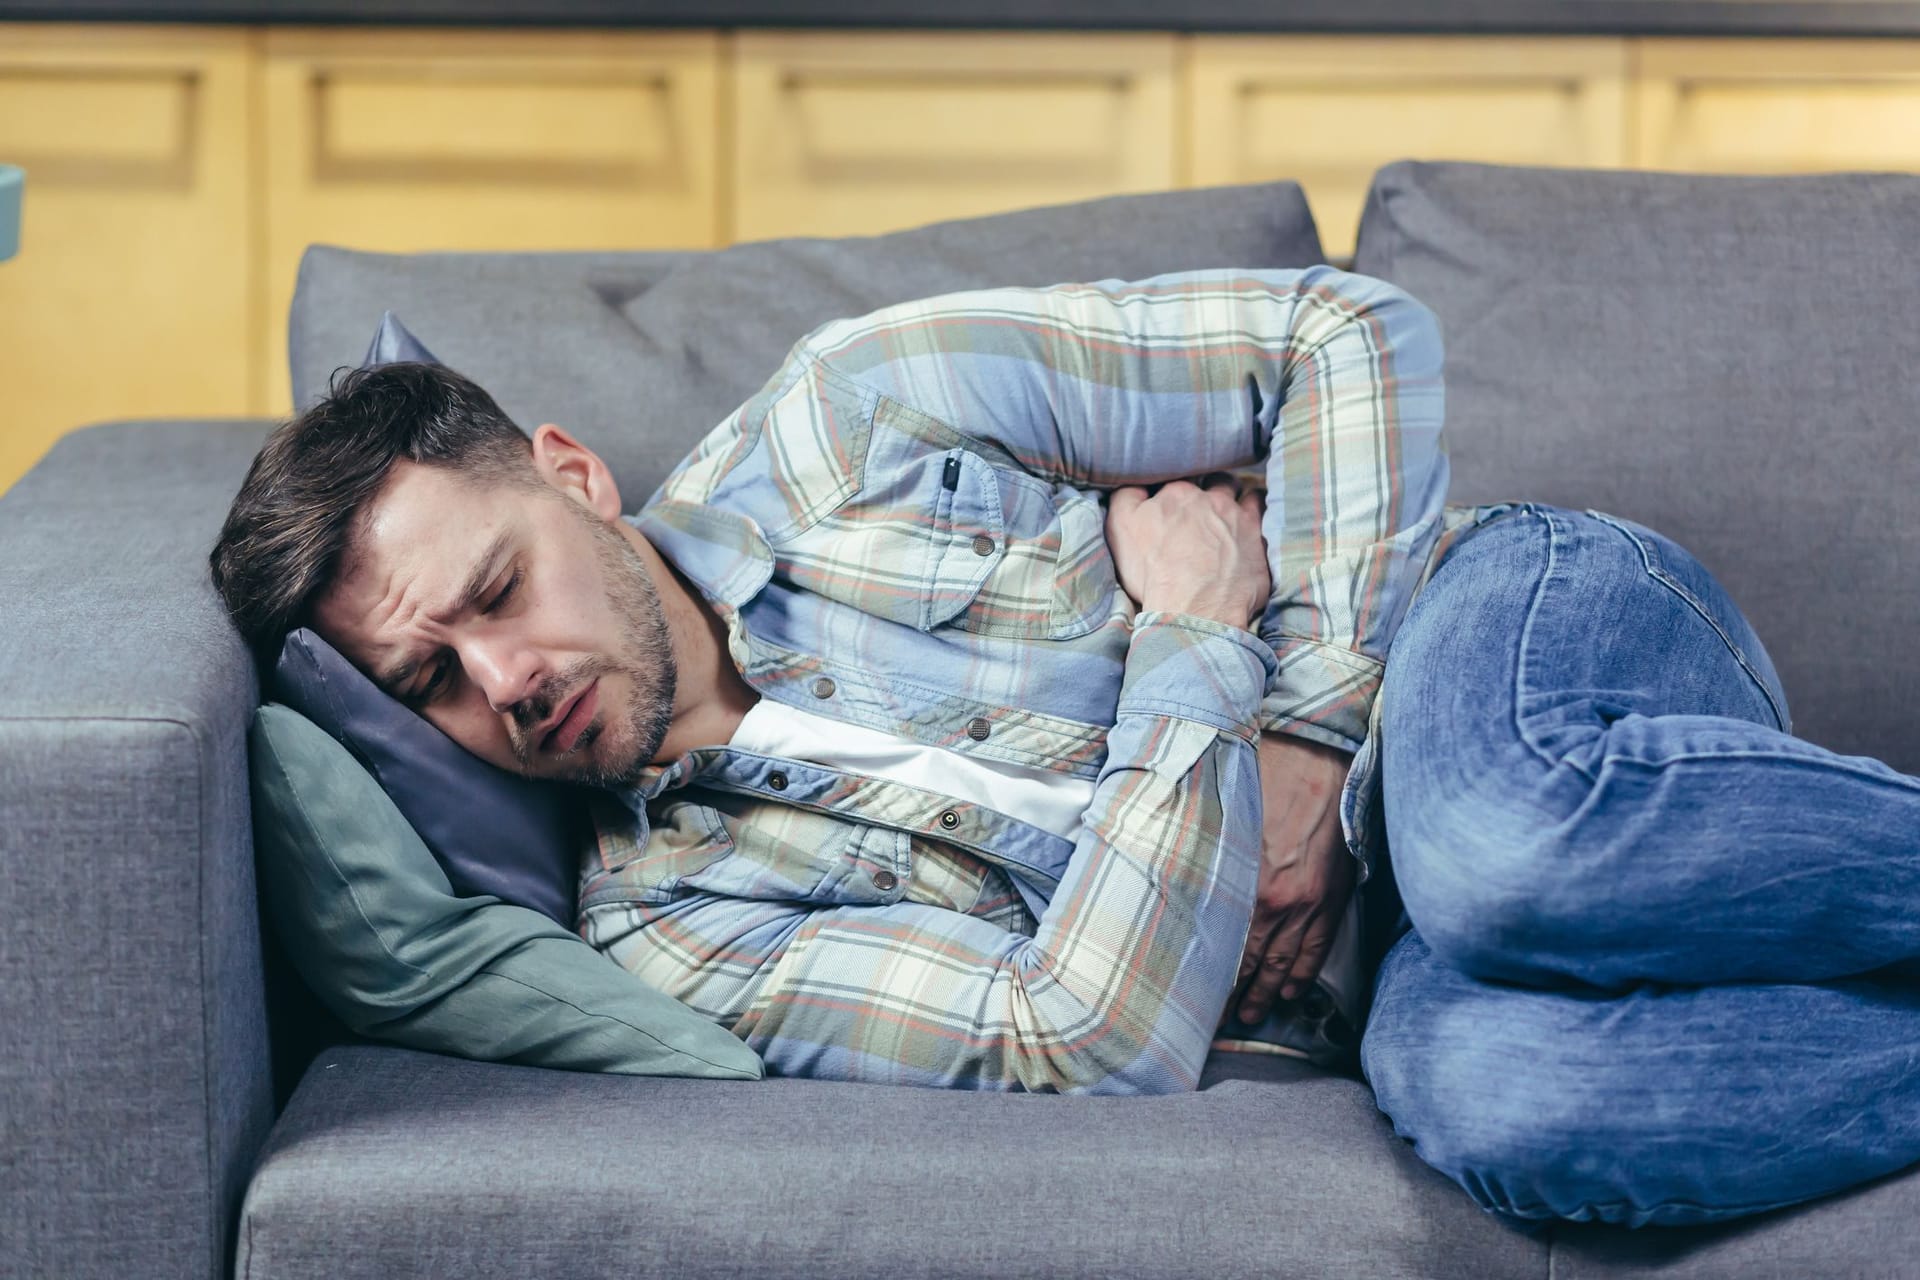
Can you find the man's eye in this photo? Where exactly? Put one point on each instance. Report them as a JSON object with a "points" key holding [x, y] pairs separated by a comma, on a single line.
{"points": [[506, 593], [431, 689]]}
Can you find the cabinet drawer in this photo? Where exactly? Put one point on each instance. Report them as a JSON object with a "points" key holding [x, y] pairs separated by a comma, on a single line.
{"points": [[483, 140], [840, 134], [1777, 106], [130, 295], [1328, 111]]}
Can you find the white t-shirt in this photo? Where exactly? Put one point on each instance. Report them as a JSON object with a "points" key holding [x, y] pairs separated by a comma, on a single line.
{"points": [[1051, 801]]}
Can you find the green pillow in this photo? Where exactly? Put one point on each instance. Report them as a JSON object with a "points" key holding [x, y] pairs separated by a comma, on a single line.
{"points": [[375, 929]]}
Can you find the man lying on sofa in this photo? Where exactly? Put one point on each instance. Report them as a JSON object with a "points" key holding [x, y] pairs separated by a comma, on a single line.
{"points": [[1087, 778]]}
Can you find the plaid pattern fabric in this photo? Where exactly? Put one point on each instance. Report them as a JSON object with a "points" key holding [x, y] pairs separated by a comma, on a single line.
{"points": [[904, 529]]}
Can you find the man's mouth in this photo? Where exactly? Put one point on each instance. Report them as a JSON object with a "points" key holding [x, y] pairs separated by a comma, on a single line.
{"points": [[572, 720]]}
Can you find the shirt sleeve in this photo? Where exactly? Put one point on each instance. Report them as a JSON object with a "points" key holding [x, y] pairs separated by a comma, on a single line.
{"points": [[1322, 385], [1120, 987]]}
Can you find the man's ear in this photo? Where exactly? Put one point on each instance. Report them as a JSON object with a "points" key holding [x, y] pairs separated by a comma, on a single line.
{"points": [[576, 471]]}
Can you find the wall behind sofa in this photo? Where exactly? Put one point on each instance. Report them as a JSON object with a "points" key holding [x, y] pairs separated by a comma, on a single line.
{"points": [[176, 172]]}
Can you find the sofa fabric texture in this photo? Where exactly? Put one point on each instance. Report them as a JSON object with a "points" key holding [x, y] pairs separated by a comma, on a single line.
{"points": [[135, 1083], [1271, 1168], [1729, 360]]}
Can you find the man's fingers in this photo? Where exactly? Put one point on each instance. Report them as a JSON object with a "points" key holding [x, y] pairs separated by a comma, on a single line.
{"points": [[1121, 502], [1265, 920], [1276, 960], [1314, 944]]}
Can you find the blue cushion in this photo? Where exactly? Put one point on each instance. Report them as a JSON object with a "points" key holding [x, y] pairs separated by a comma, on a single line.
{"points": [[392, 343], [491, 831]]}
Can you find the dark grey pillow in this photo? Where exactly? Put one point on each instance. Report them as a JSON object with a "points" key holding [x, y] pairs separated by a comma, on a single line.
{"points": [[492, 832], [1730, 360], [640, 354]]}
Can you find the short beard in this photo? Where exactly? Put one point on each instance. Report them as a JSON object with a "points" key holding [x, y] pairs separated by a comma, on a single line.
{"points": [[647, 662]]}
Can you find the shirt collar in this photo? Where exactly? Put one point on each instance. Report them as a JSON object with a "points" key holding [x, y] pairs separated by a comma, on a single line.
{"points": [[721, 552], [728, 560]]}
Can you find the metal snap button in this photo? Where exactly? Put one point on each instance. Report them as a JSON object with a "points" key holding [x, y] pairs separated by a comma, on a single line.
{"points": [[823, 688], [885, 880], [778, 781], [949, 819], [978, 728], [982, 545]]}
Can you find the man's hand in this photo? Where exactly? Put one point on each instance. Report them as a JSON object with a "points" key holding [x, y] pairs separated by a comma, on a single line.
{"points": [[1191, 548], [1306, 873]]}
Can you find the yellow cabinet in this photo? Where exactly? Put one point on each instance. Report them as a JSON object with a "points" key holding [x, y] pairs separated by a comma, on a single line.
{"points": [[131, 295], [405, 140], [854, 133], [175, 174], [1777, 106], [1330, 110]]}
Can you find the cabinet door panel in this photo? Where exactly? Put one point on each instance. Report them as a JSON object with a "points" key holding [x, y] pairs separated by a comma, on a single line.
{"points": [[844, 134], [1328, 111], [130, 296], [483, 140], [1772, 106]]}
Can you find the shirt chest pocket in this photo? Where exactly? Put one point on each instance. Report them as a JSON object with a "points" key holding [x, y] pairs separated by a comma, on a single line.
{"points": [[781, 852], [945, 538]]}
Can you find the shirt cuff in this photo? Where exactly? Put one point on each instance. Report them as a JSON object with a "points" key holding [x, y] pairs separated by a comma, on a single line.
{"points": [[1194, 668], [1320, 692]]}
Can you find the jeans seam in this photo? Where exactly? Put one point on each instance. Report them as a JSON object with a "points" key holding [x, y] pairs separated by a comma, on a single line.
{"points": [[1543, 1213], [1837, 764], [1526, 644], [1679, 588]]}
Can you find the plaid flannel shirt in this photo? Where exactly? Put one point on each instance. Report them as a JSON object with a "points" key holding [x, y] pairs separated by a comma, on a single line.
{"points": [[904, 529]]}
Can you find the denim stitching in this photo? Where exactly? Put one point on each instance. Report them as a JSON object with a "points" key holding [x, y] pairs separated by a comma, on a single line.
{"points": [[1521, 683], [1660, 575]]}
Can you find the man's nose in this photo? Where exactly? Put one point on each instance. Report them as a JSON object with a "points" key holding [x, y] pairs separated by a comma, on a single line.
{"points": [[506, 671]]}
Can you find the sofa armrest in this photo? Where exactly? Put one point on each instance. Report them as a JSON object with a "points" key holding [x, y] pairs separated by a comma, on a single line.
{"points": [[135, 1088]]}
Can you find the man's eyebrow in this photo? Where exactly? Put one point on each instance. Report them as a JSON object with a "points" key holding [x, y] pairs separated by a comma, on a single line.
{"points": [[395, 678]]}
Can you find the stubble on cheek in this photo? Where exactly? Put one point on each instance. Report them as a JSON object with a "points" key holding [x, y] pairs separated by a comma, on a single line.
{"points": [[624, 735]]}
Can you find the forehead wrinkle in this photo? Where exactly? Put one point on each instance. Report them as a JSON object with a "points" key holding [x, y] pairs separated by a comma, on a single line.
{"points": [[403, 669]]}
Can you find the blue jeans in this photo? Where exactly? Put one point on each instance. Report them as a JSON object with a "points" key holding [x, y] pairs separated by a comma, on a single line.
{"points": [[1662, 966]]}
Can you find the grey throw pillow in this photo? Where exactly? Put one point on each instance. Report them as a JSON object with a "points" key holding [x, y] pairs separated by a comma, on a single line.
{"points": [[1727, 359], [375, 929]]}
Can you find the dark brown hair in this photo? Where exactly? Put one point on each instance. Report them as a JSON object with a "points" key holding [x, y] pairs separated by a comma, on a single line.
{"points": [[296, 513]]}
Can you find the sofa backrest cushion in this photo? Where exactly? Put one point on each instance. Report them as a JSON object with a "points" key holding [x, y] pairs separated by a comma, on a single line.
{"points": [[640, 354], [1731, 360]]}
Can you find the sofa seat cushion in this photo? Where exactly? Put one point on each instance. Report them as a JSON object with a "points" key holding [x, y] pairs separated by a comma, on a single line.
{"points": [[392, 1162]]}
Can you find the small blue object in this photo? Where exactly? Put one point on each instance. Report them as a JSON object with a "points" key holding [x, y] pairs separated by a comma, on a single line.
{"points": [[13, 183], [392, 344]]}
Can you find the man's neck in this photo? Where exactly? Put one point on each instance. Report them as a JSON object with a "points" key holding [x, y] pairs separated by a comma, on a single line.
{"points": [[711, 697]]}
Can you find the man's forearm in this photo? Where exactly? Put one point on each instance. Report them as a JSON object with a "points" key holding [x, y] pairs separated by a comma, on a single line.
{"points": [[1306, 873]]}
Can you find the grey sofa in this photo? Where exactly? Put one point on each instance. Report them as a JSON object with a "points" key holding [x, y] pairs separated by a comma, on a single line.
{"points": [[1728, 360]]}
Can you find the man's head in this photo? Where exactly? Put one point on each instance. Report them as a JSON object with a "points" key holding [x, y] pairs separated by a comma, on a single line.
{"points": [[480, 577]]}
